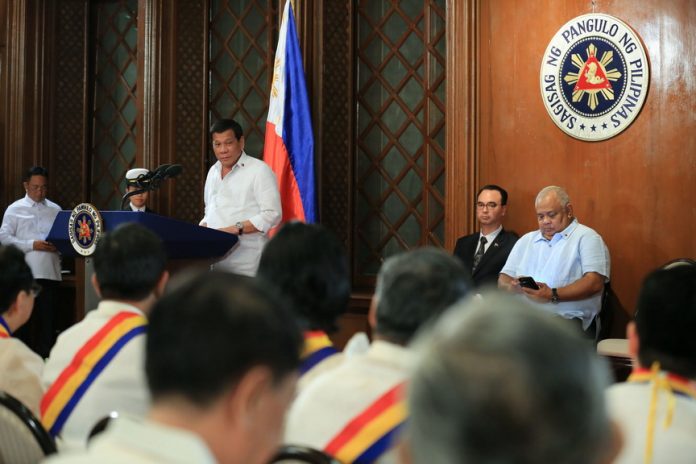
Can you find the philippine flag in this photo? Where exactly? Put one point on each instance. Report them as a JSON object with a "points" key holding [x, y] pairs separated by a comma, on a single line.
{"points": [[289, 144]]}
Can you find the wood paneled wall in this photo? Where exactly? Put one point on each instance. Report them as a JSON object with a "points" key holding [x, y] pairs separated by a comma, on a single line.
{"points": [[636, 189]]}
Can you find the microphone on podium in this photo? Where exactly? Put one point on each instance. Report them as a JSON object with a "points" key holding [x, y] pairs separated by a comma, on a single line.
{"points": [[149, 180]]}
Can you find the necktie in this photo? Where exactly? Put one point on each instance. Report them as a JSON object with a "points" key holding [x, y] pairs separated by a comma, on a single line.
{"points": [[479, 254]]}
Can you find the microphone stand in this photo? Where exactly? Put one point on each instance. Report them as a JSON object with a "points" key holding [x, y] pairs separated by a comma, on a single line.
{"points": [[146, 186], [133, 193]]}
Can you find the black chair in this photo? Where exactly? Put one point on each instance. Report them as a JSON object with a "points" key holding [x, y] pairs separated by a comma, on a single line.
{"points": [[605, 316], [294, 453], [101, 425], [23, 440]]}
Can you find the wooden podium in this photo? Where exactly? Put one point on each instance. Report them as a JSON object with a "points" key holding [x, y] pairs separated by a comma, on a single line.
{"points": [[187, 245]]}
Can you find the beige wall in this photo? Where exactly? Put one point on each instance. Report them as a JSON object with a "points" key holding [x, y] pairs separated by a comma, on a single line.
{"points": [[638, 189]]}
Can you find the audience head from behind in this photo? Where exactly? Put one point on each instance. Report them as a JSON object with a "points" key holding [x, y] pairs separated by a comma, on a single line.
{"points": [[309, 265], [665, 321], [497, 380], [221, 359], [129, 264], [413, 288], [17, 289]]}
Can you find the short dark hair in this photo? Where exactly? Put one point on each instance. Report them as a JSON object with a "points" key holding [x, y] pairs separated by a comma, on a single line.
{"points": [[415, 287], [223, 125], [309, 266], [128, 262], [207, 332], [15, 275], [503, 192], [35, 171], [666, 320]]}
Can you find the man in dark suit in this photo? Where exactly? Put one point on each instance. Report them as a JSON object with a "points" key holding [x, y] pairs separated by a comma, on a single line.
{"points": [[484, 253], [137, 202]]}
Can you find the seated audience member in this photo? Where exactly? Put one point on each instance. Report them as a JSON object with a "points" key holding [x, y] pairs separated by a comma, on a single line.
{"points": [[656, 407], [569, 262], [137, 202], [221, 357], [96, 366], [20, 367], [309, 266], [485, 251], [498, 381], [343, 410]]}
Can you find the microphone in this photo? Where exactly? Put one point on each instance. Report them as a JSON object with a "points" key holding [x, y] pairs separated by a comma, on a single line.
{"points": [[144, 180], [150, 180], [159, 172], [172, 170]]}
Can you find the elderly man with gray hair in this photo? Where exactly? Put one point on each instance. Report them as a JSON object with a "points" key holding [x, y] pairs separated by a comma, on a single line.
{"points": [[563, 266], [499, 381]]}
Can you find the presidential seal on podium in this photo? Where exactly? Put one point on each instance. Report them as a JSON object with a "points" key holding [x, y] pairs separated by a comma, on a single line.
{"points": [[85, 228]]}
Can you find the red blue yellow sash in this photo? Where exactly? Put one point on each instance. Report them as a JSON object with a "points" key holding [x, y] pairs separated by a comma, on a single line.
{"points": [[90, 360], [672, 385], [677, 384], [372, 432], [5, 331], [317, 347]]}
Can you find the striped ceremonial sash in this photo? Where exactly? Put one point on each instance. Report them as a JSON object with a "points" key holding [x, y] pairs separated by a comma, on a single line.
{"points": [[90, 360], [317, 347], [5, 331], [671, 385], [679, 385], [372, 432]]}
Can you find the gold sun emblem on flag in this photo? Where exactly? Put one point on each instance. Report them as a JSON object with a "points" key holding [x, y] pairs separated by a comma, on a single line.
{"points": [[276, 77], [593, 77]]}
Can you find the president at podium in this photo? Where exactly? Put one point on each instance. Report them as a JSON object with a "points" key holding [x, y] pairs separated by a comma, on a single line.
{"points": [[241, 198]]}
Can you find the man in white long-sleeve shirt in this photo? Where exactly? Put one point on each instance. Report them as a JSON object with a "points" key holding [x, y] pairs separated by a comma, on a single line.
{"points": [[26, 224], [241, 197]]}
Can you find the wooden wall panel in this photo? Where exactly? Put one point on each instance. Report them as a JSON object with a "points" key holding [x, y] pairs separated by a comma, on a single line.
{"points": [[635, 189]]}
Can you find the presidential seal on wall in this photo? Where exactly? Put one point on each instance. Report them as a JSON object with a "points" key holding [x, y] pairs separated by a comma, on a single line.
{"points": [[594, 77], [85, 228]]}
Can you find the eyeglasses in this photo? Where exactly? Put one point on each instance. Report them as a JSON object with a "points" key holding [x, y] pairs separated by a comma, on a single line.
{"points": [[489, 205], [35, 289], [36, 188]]}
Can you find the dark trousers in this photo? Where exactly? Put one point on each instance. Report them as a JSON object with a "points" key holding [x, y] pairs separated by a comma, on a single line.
{"points": [[591, 331], [39, 333]]}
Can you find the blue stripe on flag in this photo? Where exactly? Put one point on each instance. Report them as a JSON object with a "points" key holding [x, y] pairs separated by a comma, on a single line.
{"points": [[297, 122]]}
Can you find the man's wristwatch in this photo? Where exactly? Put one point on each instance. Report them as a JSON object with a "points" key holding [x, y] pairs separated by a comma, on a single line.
{"points": [[554, 296], [240, 228]]}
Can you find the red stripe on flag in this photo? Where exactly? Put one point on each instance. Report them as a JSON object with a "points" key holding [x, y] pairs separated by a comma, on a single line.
{"points": [[276, 156]]}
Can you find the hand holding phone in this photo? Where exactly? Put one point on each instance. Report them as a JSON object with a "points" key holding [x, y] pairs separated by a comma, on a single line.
{"points": [[528, 282]]}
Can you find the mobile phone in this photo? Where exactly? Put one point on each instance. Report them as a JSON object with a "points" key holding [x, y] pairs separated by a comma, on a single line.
{"points": [[527, 282]]}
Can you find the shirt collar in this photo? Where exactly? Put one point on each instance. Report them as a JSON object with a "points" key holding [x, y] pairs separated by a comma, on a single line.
{"points": [[31, 202], [112, 307], [565, 233], [241, 162], [391, 353], [492, 236]]}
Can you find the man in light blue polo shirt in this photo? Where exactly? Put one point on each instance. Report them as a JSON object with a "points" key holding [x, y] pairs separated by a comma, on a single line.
{"points": [[569, 261]]}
